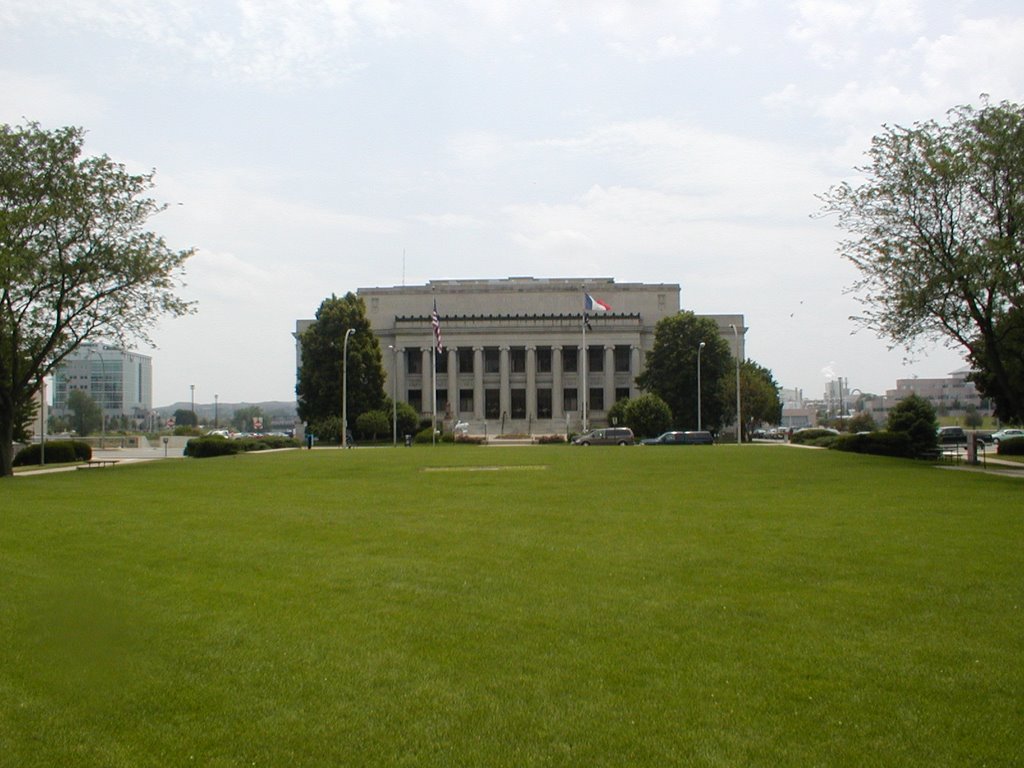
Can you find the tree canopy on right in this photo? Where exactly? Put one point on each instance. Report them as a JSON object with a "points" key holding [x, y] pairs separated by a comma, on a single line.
{"points": [[937, 233]]}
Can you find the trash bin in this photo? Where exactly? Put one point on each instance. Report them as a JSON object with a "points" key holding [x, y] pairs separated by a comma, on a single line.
{"points": [[408, 441]]}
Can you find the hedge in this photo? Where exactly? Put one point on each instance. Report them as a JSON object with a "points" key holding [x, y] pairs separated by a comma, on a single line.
{"points": [[1011, 447], [217, 445], [878, 443], [821, 438], [57, 452]]}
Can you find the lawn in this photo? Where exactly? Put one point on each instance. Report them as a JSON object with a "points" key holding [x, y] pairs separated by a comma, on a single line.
{"points": [[546, 606]]}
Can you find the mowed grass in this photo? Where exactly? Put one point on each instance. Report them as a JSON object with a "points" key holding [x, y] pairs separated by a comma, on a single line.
{"points": [[546, 606]]}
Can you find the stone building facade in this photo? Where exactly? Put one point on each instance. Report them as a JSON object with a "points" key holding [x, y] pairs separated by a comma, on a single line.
{"points": [[516, 355]]}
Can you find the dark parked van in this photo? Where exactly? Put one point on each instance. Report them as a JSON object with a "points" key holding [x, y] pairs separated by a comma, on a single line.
{"points": [[608, 436]]}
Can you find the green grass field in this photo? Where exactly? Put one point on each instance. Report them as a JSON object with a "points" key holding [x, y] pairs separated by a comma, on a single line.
{"points": [[546, 606]]}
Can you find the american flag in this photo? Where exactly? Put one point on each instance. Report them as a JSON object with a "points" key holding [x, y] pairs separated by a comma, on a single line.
{"points": [[435, 321]]}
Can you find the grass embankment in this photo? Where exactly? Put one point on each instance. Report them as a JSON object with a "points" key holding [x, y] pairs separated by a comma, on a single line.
{"points": [[513, 607]]}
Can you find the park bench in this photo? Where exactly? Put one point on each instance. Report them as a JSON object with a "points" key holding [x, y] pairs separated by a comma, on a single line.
{"points": [[95, 463]]}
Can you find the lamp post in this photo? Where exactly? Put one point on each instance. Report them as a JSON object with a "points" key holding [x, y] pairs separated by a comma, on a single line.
{"points": [[103, 390], [216, 411], [42, 422], [394, 394], [739, 414], [195, 421], [699, 349], [344, 389]]}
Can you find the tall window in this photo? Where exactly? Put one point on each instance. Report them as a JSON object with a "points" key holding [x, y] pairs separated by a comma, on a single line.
{"points": [[465, 360], [570, 359], [518, 403], [543, 403], [543, 359], [517, 360], [621, 393], [413, 361], [596, 399], [465, 401], [570, 401], [492, 360], [492, 403], [595, 359], [415, 399], [622, 355]]}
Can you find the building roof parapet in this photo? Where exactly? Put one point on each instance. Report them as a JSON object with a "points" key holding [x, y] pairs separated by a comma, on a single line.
{"points": [[605, 318]]}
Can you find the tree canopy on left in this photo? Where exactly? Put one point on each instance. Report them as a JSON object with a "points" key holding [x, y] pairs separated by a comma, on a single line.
{"points": [[322, 347], [76, 260]]}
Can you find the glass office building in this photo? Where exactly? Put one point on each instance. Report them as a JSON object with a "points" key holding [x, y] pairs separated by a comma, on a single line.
{"points": [[120, 382]]}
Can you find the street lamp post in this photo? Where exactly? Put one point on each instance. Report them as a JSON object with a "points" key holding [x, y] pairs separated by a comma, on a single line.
{"points": [[103, 390], [195, 421], [216, 411], [394, 394], [699, 349], [739, 414], [344, 389]]}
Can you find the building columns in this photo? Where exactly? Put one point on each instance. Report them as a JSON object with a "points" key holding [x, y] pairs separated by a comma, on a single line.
{"points": [[531, 383], [557, 412], [478, 382], [609, 377], [504, 392]]}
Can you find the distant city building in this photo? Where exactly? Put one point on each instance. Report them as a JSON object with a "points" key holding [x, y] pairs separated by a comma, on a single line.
{"points": [[120, 382], [950, 395], [953, 393], [513, 348]]}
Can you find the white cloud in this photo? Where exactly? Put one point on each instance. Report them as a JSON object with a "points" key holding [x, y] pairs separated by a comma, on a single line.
{"points": [[48, 99]]}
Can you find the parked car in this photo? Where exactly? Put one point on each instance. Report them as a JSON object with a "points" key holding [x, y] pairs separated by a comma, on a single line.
{"points": [[681, 438], [1006, 434], [607, 436], [952, 436]]}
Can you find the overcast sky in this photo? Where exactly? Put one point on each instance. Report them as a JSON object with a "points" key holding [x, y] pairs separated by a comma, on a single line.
{"points": [[306, 145]]}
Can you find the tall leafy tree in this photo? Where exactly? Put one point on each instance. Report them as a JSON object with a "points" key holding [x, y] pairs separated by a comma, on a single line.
{"points": [[759, 396], [322, 345], [915, 416], [670, 370], [937, 233], [86, 416], [76, 260], [1007, 394]]}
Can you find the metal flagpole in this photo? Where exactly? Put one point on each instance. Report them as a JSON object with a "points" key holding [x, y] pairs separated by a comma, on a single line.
{"points": [[433, 404], [435, 347], [584, 363]]}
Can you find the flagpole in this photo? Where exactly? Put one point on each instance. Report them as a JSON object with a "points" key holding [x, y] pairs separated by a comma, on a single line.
{"points": [[433, 407], [585, 360]]}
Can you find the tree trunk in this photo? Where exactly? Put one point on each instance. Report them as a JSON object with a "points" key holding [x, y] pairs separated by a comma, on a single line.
{"points": [[6, 438]]}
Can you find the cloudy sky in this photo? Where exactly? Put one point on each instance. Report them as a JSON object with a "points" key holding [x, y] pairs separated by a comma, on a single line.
{"points": [[310, 147]]}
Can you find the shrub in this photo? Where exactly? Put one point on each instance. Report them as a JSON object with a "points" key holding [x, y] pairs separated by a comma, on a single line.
{"points": [[916, 417], [212, 445], [810, 436], [618, 413], [217, 445], [373, 423], [862, 422], [424, 435], [648, 415], [544, 439], [57, 452], [876, 443], [1012, 447], [470, 439]]}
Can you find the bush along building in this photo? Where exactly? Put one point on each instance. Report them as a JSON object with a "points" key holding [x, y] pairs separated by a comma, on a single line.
{"points": [[521, 354]]}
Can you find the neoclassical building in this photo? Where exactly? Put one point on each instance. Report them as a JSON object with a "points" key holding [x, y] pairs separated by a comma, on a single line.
{"points": [[515, 353]]}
